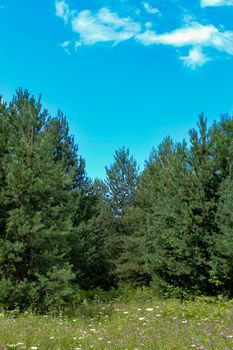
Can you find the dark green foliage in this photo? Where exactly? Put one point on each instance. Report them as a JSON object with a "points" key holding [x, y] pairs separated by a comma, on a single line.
{"points": [[121, 181], [121, 185], [170, 227], [178, 196], [37, 200], [131, 262], [222, 258], [87, 240]]}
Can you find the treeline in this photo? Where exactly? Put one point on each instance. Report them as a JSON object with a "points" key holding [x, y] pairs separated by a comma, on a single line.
{"points": [[169, 227]]}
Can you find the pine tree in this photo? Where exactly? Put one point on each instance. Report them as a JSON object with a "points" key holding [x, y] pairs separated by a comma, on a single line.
{"points": [[89, 255], [182, 200], [121, 184], [168, 257], [221, 274], [38, 197], [121, 181]]}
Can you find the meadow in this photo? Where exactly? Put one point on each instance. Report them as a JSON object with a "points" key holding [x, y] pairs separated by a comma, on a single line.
{"points": [[137, 322]]}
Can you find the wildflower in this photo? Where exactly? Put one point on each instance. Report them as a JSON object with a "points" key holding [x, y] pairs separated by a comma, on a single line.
{"points": [[125, 312], [149, 309], [15, 345], [34, 347], [141, 318], [12, 345]]}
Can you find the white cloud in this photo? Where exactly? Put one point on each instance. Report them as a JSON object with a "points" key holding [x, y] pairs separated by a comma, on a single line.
{"points": [[195, 35], [107, 26], [192, 34], [195, 58], [207, 3], [104, 26], [223, 41], [151, 10], [65, 45], [62, 10]]}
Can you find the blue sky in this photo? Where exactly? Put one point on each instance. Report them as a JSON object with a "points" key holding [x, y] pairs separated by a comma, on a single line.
{"points": [[124, 72]]}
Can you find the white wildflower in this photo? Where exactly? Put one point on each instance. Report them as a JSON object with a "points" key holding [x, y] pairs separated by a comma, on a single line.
{"points": [[149, 309]]}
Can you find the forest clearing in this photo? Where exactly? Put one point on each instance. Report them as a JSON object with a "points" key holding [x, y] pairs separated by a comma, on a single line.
{"points": [[116, 187], [141, 322]]}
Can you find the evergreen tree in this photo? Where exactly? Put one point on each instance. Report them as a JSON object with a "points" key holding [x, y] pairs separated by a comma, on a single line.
{"points": [[89, 255], [121, 181], [222, 261], [221, 264], [121, 184], [168, 254], [38, 198]]}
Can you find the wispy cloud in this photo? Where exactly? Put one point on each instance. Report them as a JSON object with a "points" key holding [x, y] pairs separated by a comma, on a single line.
{"points": [[151, 10], [65, 45], [195, 58], [106, 26], [194, 34], [62, 10], [214, 3]]}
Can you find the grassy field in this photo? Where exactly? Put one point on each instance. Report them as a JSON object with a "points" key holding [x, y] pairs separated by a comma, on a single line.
{"points": [[136, 323]]}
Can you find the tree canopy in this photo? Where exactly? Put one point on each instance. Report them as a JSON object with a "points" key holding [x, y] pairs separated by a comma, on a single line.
{"points": [[168, 226]]}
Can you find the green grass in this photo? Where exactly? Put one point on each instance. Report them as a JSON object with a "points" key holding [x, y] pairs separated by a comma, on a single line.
{"points": [[136, 323]]}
